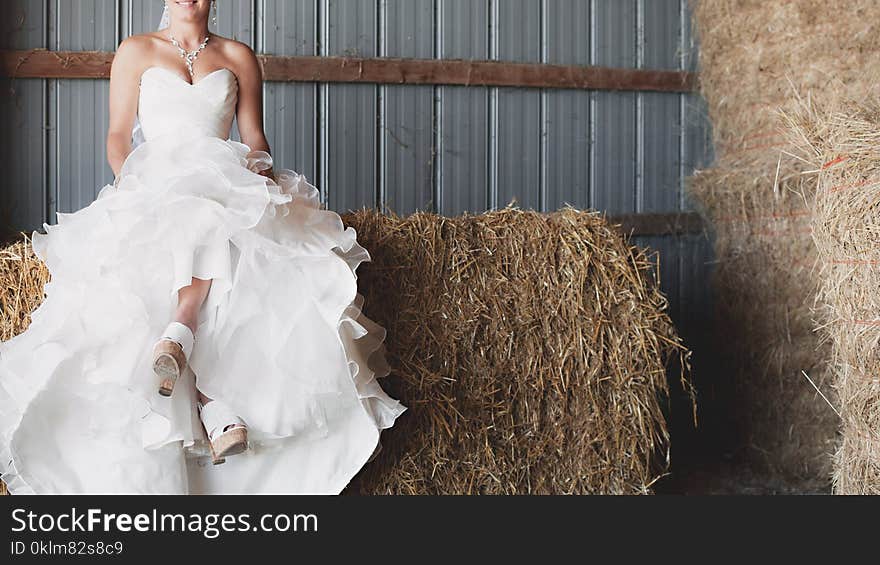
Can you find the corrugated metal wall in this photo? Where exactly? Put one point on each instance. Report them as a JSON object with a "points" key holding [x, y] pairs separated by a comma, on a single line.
{"points": [[447, 148]]}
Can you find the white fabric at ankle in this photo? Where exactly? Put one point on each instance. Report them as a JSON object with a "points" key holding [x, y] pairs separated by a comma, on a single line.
{"points": [[216, 416], [181, 334]]}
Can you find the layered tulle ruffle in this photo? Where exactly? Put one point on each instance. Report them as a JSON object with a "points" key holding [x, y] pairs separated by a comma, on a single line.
{"points": [[282, 337]]}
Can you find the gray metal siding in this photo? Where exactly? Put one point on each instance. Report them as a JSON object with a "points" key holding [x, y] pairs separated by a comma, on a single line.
{"points": [[404, 148], [291, 109], [236, 20], [453, 149], [516, 135], [614, 123], [82, 118], [139, 17], [406, 129], [695, 305], [463, 167], [567, 113], [22, 110], [350, 178], [661, 120]]}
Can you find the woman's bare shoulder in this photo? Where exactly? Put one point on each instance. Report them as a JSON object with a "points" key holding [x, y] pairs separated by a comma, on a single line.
{"points": [[239, 54], [230, 46], [142, 41], [138, 46]]}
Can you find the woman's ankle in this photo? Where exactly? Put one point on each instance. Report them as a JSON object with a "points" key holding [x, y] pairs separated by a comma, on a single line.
{"points": [[187, 320]]}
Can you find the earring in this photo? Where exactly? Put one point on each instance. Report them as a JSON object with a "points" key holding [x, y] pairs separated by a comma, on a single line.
{"points": [[166, 17], [215, 13]]}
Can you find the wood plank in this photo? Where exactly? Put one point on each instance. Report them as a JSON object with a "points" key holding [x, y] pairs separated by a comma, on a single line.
{"points": [[40, 63], [658, 224]]}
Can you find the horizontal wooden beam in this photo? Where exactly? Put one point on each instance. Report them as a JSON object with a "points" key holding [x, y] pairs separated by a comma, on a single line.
{"points": [[40, 63], [472, 73], [659, 224], [629, 224]]}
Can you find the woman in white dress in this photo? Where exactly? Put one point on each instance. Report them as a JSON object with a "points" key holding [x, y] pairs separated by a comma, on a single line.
{"points": [[203, 310]]}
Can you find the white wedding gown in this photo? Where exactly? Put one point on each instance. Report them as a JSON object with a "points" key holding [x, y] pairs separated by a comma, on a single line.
{"points": [[281, 337]]}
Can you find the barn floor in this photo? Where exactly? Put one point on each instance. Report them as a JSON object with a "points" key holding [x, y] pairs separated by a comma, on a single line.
{"points": [[727, 477], [710, 460]]}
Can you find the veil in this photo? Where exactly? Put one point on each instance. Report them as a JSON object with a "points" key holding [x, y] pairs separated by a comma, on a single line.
{"points": [[137, 133]]}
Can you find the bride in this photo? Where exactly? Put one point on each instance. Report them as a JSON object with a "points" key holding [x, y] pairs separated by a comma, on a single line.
{"points": [[203, 310]]}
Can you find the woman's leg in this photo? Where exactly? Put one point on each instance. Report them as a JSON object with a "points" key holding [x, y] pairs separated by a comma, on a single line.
{"points": [[168, 360], [189, 302]]}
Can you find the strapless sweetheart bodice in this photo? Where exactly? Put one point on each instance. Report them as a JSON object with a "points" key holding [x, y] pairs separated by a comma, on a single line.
{"points": [[168, 105]]}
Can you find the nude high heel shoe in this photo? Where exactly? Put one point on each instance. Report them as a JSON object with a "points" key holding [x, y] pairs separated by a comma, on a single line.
{"points": [[227, 433], [171, 355]]}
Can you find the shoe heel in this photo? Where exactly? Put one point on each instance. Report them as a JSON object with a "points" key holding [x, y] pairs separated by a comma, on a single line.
{"points": [[171, 355], [169, 362], [214, 458], [228, 444], [217, 416]]}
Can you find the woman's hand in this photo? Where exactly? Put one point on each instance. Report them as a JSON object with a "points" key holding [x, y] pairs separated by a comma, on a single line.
{"points": [[268, 173]]}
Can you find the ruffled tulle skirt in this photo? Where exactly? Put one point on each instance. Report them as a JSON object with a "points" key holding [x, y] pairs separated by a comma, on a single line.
{"points": [[281, 339]]}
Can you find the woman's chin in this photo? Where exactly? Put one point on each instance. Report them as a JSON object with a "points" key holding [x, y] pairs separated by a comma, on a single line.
{"points": [[190, 11]]}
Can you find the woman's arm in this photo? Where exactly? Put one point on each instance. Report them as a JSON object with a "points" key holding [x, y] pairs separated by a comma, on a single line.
{"points": [[124, 88], [250, 99]]}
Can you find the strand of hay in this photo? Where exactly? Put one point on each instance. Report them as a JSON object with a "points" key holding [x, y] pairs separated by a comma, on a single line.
{"points": [[531, 349], [754, 56], [844, 145]]}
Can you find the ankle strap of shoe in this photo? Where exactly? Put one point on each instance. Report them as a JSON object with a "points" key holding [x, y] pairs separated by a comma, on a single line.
{"points": [[216, 415], [180, 333]]}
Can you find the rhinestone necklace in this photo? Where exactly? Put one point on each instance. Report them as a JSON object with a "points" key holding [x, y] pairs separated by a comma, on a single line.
{"points": [[189, 57]]}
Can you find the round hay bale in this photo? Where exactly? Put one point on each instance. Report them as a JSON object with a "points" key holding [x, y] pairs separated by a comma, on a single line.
{"points": [[531, 348]]}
